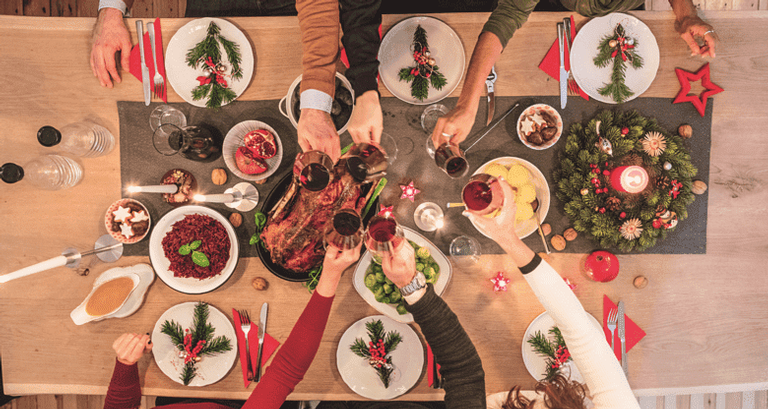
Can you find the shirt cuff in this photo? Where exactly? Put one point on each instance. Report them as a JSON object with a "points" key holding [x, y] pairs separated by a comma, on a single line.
{"points": [[315, 99], [416, 296], [115, 4], [532, 265]]}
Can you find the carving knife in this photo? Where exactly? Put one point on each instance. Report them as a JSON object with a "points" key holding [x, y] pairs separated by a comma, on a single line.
{"points": [[262, 332], [491, 96], [144, 69], [563, 72], [622, 339]]}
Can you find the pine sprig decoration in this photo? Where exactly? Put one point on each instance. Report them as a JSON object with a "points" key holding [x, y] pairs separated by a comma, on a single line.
{"points": [[625, 131], [206, 55], [425, 72], [556, 352], [174, 330], [377, 350], [620, 49]]}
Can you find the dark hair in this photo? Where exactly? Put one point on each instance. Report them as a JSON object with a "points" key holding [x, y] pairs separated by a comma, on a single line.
{"points": [[558, 392]]}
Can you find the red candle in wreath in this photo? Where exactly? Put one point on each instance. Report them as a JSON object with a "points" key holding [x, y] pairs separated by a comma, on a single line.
{"points": [[629, 179]]}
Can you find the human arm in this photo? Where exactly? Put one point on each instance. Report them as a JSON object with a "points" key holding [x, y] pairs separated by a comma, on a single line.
{"points": [[294, 357], [124, 390], [110, 35], [319, 24], [689, 25], [459, 361]]}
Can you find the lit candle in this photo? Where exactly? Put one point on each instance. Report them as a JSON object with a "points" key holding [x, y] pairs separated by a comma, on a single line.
{"points": [[153, 189], [629, 179], [222, 198]]}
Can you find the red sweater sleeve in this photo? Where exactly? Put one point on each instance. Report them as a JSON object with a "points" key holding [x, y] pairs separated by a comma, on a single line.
{"points": [[294, 357], [124, 390]]}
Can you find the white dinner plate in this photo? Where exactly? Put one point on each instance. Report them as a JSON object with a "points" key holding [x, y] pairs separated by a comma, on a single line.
{"points": [[537, 364], [396, 52], [390, 310], [210, 369], [234, 140], [407, 359], [525, 228], [183, 78], [591, 78], [161, 263]]}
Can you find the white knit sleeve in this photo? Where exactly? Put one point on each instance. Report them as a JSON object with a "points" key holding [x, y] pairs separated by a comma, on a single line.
{"points": [[593, 356]]}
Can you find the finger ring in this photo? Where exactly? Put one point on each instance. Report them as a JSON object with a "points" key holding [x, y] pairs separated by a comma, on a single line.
{"points": [[447, 134], [709, 31]]}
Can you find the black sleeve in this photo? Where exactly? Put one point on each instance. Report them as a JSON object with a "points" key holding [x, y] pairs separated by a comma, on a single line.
{"points": [[360, 21], [459, 362]]}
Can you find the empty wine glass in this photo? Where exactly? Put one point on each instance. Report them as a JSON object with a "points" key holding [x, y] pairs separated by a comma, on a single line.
{"points": [[345, 231], [483, 194], [465, 249], [389, 146], [313, 170], [191, 142], [166, 114], [383, 236]]}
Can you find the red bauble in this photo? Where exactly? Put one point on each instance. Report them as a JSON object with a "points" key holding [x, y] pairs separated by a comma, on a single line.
{"points": [[622, 215], [601, 266]]}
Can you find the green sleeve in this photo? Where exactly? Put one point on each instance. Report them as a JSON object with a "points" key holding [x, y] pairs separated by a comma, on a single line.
{"points": [[508, 17]]}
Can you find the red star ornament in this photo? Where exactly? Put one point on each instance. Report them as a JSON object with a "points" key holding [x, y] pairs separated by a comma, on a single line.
{"points": [[500, 282], [698, 101], [386, 211], [409, 191]]}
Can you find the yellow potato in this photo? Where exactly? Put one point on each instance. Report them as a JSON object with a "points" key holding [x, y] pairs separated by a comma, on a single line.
{"points": [[496, 170], [525, 193], [524, 212], [517, 175]]}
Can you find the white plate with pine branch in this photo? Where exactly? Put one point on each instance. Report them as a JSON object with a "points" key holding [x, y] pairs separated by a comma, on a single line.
{"points": [[396, 52], [210, 369], [363, 379], [183, 78], [585, 48]]}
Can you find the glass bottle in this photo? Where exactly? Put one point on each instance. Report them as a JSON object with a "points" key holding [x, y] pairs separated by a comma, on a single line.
{"points": [[84, 139], [48, 172]]}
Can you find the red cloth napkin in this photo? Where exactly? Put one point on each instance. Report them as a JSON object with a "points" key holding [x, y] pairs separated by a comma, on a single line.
{"points": [[633, 333], [270, 345], [430, 358], [136, 59], [551, 62]]}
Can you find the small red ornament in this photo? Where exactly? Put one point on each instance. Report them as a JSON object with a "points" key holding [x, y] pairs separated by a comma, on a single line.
{"points": [[675, 189], [500, 282], [601, 266], [606, 172], [698, 101], [409, 191], [657, 224], [595, 170], [622, 215], [386, 210], [624, 131], [594, 181], [602, 210]]}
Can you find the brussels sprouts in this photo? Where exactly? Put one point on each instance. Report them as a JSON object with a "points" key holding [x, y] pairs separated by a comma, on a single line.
{"points": [[377, 288], [420, 267], [422, 252], [429, 271], [395, 296], [432, 280], [388, 281], [370, 280], [381, 297], [401, 309], [387, 288], [380, 277], [435, 267], [386, 300]]}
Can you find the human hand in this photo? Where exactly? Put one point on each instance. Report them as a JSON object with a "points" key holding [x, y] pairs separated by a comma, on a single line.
{"points": [[334, 264], [130, 347], [692, 27], [109, 36], [400, 265], [500, 228], [455, 125], [317, 132], [366, 122]]}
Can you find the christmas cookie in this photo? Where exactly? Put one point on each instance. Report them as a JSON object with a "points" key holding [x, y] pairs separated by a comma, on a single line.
{"points": [[127, 221], [539, 126]]}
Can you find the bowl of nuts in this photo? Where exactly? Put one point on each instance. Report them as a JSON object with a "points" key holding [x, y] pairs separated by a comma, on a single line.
{"points": [[539, 127]]}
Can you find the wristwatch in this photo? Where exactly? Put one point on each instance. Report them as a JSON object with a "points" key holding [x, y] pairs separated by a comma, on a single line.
{"points": [[418, 282]]}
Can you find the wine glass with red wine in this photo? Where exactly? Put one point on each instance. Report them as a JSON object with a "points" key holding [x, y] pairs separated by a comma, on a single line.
{"points": [[483, 194], [448, 157], [313, 170], [383, 235], [345, 231], [366, 161]]}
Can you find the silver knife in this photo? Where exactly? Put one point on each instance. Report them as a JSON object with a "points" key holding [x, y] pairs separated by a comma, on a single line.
{"points": [[563, 72], [622, 339], [262, 332], [491, 96], [144, 69]]}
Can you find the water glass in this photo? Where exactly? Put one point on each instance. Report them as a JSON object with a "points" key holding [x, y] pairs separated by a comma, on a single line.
{"points": [[166, 114], [430, 116], [465, 249], [429, 216]]}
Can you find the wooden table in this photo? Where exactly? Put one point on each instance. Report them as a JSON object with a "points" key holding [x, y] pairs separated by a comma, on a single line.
{"points": [[705, 315]]}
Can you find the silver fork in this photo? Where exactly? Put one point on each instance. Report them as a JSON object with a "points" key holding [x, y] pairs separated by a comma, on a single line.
{"points": [[157, 79], [613, 316], [245, 324], [573, 88]]}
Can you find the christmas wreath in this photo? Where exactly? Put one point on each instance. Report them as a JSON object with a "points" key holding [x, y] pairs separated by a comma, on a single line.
{"points": [[610, 216]]}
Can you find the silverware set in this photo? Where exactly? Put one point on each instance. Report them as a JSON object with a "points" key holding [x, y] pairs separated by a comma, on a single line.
{"points": [[566, 76], [245, 325], [616, 318], [157, 80]]}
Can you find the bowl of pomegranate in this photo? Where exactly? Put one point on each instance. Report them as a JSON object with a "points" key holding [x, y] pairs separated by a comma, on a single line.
{"points": [[193, 249], [539, 127], [252, 150]]}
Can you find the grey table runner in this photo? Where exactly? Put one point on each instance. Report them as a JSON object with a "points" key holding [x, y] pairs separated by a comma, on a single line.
{"points": [[141, 164]]}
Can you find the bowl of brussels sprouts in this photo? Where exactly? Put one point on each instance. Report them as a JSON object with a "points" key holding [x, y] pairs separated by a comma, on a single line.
{"points": [[378, 291]]}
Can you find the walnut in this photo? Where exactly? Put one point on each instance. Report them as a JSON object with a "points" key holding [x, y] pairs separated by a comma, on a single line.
{"points": [[546, 229], [260, 284], [558, 242], [698, 187], [570, 234], [640, 282], [236, 219], [260, 181], [685, 131], [219, 176]]}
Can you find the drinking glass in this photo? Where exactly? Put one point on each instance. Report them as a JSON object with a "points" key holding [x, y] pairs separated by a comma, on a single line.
{"points": [[345, 231], [389, 146], [166, 114], [383, 235], [313, 170], [430, 116], [429, 216], [465, 248], [483, 194], [366, 161], [450, 158], [191, 142]]}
